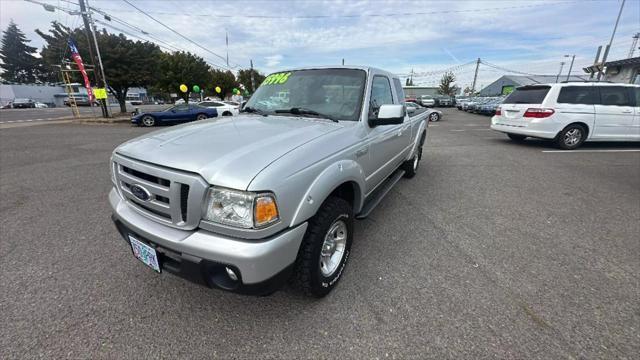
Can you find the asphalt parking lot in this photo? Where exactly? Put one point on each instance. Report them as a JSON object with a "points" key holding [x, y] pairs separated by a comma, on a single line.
{"points": [[494, 249]]}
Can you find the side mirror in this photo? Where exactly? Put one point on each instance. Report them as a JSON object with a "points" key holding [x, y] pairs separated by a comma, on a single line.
{"points": [[388, 114], [411, 110]]}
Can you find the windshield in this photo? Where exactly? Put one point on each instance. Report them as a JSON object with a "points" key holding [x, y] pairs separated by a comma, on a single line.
{"points": [[336, 93]]}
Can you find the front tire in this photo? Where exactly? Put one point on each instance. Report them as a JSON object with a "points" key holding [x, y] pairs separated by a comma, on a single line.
{"points": [[201, 116], [571, 137], [411, 166], [325, 248], [434, 117], [148, 121]]}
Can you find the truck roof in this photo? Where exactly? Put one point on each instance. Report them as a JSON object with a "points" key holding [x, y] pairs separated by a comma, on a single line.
{"points": [[353, 67]]}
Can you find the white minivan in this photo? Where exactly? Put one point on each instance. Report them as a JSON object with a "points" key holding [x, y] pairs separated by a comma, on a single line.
{"points": [[571, 113]]}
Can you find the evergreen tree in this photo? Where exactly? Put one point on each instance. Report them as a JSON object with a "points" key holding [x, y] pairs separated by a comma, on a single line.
{"points": [[18, 63]]}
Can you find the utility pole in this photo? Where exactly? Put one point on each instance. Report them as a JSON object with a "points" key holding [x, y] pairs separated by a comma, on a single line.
{"points": [[475, 77], [595, 62], [613, 34], [573, 57], [226, 38], [89, 31], [559, 73], [633, 45], [253, 85], [342, 61]]}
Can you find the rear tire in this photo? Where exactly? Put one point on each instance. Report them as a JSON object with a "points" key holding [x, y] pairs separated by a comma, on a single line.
{"points": [[330, 233], [201, 116], [516, 137], [226, 113], [571, 137]]}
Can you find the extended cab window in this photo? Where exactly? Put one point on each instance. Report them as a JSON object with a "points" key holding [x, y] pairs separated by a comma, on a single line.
{"points": [[399, 91], [614, 96], [380, 93], [578, 95], [527, 95]]}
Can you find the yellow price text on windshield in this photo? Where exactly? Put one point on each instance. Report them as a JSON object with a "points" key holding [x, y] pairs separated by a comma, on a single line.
{"points": [[279, 78]]}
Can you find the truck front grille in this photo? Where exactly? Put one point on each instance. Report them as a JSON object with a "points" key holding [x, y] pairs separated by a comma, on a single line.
{"points": [[165, 195]]}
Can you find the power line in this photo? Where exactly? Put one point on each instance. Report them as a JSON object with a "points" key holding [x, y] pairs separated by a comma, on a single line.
{"points": [[507, 70], [175, 32], [351, 16]]}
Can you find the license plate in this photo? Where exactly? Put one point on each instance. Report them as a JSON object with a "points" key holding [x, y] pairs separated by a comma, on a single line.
{"points": [[145, 253]]}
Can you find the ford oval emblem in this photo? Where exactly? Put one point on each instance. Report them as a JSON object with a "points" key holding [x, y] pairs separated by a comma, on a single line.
{"points": [[140, 192]]}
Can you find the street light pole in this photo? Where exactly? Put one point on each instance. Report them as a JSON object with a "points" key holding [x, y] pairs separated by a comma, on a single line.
{"points": [[573, 57]]}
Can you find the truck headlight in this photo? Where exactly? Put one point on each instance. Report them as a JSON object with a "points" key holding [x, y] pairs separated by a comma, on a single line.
{"points": [[241, 208]]}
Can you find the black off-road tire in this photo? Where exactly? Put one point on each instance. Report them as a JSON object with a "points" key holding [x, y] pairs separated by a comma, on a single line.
{"points": [[516, 137], [307, 275]]}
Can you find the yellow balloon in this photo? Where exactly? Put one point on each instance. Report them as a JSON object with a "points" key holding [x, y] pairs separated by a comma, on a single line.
{"points": [[218, 90], [184, 88]]}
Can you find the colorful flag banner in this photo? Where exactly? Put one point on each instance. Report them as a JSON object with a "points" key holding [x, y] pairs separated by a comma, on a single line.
{"points": [[75, 55]]}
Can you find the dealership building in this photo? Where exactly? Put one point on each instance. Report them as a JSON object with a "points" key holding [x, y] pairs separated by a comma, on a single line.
{"points": [[55, 95]]}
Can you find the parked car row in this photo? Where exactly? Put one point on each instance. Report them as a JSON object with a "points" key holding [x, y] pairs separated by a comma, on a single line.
{"points": [[480, 105], [433, 101], [24, 104]]}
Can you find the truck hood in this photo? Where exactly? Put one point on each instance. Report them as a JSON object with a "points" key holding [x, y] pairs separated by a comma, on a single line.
{"points": [[228, 151]]}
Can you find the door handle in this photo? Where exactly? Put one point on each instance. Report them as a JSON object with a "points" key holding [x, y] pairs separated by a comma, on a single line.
{"points": [[362, 151]]}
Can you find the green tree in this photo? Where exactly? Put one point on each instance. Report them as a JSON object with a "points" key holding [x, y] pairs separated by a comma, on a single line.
{"points": [[56, 50], [447, 86], [224, 79], [181, 68], [18, 63], [127, 64], [467, 91], [244, 78]]}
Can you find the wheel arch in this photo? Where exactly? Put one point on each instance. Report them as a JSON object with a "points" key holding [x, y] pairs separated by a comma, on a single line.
{"points": [[344, 179], [581, 123]]}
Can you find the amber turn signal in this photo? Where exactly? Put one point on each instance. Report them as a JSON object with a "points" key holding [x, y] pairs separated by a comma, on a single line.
{"points": [[266, 211]]}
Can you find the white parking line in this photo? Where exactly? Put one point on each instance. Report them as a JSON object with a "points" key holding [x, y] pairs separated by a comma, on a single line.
{"points": [[590, 151], [459, 130], [480, 129]]}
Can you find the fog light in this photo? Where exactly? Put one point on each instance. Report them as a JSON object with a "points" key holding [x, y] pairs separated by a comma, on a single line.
{"points": [[232, 274]]}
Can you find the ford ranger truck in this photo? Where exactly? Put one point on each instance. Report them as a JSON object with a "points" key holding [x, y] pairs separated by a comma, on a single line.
{"points": [[246, 203]]}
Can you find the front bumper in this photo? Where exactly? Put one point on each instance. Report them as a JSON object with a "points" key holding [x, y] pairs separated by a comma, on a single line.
{"points": [[201, 256]]}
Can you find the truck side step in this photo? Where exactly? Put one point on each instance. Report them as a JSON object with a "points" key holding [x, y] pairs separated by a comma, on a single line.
{"points": [[379, 194]]}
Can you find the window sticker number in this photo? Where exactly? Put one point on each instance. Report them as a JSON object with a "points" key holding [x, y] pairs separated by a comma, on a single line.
{"points": [[279, 78]]}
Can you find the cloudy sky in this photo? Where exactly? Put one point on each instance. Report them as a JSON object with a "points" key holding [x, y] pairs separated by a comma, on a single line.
{"points": [[426, 36]]}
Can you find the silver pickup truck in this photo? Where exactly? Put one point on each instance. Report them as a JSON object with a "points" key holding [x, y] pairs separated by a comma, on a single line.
{"points": [[246, 203]]}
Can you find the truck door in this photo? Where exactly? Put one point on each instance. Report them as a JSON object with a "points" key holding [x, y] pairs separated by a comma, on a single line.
{"points": [[386, 142]]}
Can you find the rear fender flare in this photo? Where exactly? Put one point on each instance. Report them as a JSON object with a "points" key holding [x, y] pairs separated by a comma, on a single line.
{"points": [[325, 183]]}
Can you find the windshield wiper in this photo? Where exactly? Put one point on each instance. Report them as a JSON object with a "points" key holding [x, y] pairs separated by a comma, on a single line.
{"points": [[303, 111], [249, 109]]}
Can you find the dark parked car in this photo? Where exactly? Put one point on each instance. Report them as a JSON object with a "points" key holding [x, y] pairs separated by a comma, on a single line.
{"points": [[444, 101], [490, 107], [81, 101], [23, 104], [177, 113]]}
